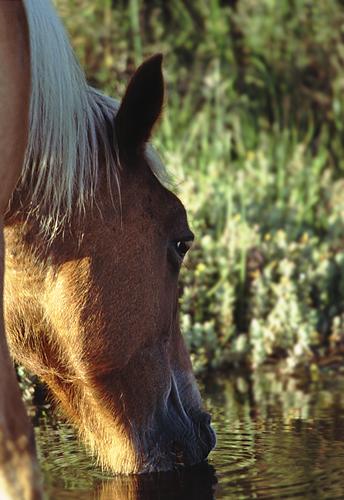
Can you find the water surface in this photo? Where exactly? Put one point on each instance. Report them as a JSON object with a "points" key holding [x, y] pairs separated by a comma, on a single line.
{"points": [[276, 439]]}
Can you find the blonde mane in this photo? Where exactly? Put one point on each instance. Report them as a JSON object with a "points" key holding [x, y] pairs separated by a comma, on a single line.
{"points": [[68, 125]]}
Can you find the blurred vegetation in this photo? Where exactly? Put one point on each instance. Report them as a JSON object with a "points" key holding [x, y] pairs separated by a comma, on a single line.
{"points": [[253, 136]]}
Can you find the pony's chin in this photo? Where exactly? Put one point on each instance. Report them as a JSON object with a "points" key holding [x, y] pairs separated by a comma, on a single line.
{"points": [[150, 452], [175, 462], [158, 464], [153, 454]]}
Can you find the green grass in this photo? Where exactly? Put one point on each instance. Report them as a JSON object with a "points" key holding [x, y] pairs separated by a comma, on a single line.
{"points": [[253, 135]]}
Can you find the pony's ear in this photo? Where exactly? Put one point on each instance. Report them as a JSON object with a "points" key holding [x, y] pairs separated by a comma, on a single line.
{"points": [[141, 106]]}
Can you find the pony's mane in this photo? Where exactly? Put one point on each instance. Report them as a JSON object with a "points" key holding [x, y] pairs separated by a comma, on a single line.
{"points": [[68, 126]]}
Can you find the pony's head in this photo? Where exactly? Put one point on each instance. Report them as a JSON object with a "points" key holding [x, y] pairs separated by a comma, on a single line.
{"points": [[95, 311]]}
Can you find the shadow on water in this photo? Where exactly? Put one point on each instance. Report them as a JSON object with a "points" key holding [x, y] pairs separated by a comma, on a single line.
{"points": [[193, 484], [183, 486], [277, 438]]}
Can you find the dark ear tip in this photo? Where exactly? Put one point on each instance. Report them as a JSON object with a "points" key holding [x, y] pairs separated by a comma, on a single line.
{"points": [[158, 57], [155, 60]]}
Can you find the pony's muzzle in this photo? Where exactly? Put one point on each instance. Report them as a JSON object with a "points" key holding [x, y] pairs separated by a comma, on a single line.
{"points": [[192, 441], [188, 435], [206, 432]]}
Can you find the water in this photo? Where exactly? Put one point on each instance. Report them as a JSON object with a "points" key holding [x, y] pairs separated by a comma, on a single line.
{"points": [[276, 439]]}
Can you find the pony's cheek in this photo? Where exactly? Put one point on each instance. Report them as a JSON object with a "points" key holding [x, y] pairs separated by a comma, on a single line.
{"points": [[143, 385]]}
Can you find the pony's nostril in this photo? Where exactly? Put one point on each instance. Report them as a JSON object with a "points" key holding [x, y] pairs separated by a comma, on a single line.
{"points": [[205, 418], [207, 434]]}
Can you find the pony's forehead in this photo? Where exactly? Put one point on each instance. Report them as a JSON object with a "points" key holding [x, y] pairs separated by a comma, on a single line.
{"points": [[156, 164], [153, 158]]}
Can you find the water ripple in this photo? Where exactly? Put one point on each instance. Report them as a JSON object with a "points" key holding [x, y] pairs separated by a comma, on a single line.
{"points": [[272, 444]]}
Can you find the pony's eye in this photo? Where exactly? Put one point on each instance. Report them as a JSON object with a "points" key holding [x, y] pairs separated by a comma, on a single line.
{"points": [[178, 248], [182, 247]]}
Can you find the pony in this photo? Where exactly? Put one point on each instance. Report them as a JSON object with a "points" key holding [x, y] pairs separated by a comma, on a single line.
{"points": [[95, 244], [18, 467]]}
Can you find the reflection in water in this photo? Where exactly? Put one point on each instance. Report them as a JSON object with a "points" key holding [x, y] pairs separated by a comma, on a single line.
{"points": [[196, 484], [193, 484], [276, 439]]}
